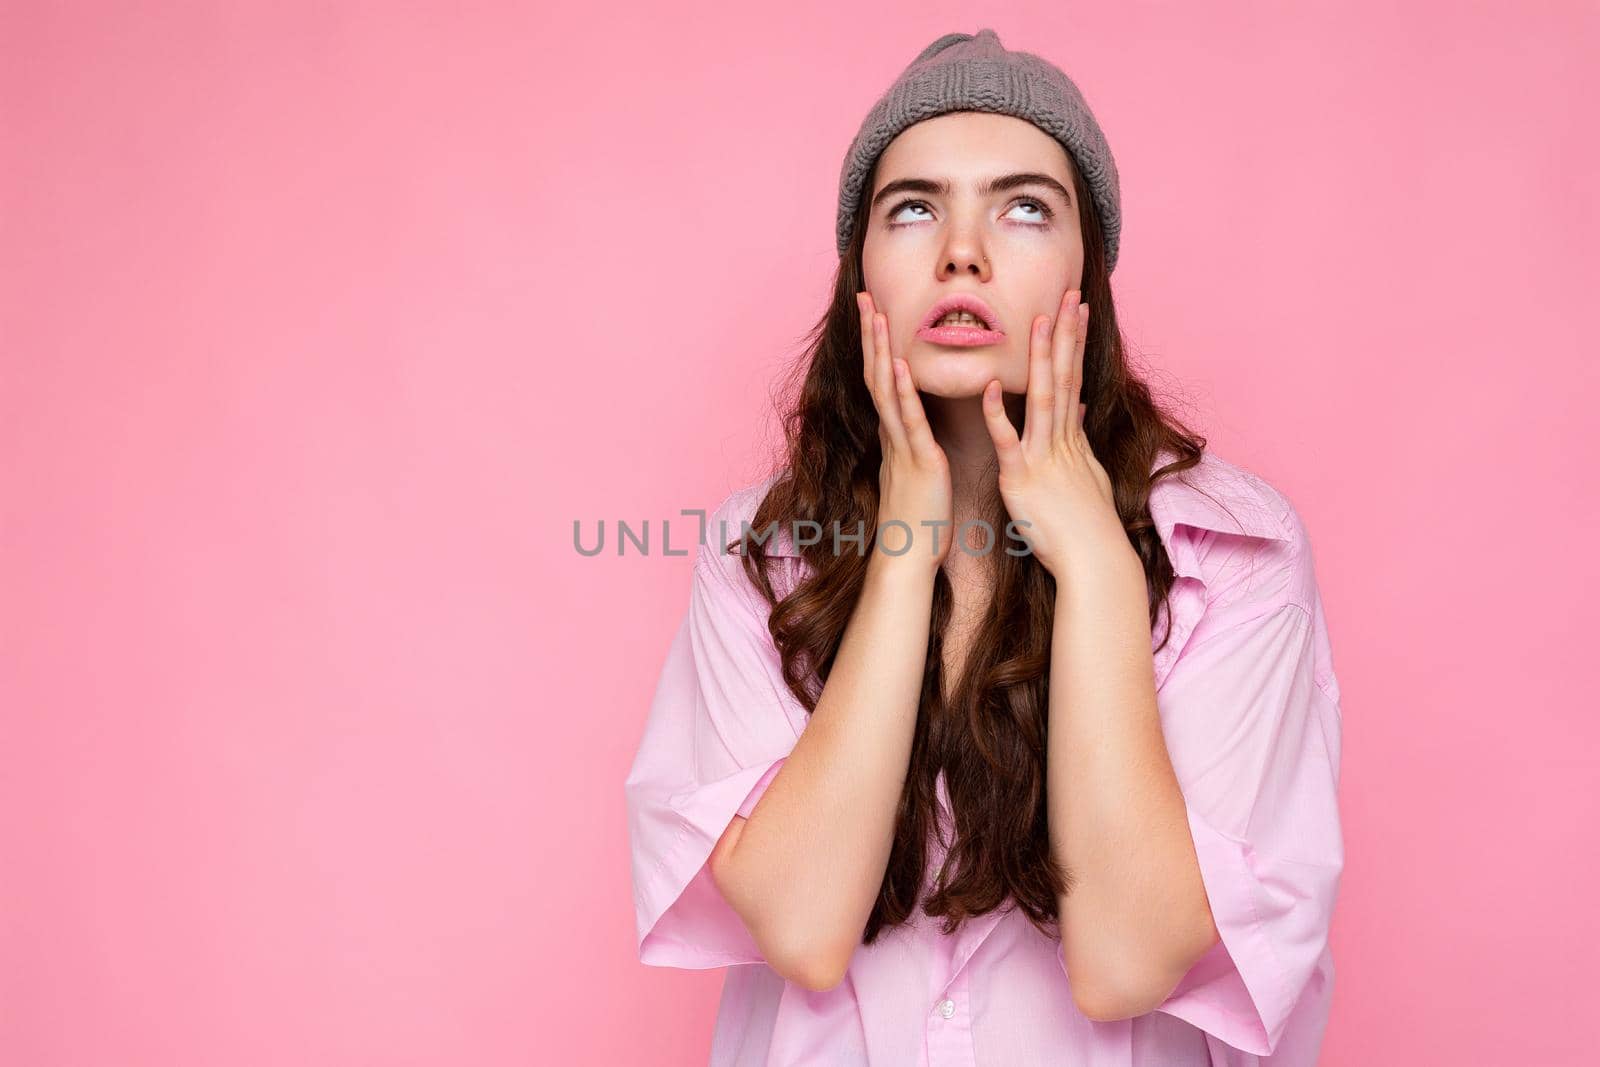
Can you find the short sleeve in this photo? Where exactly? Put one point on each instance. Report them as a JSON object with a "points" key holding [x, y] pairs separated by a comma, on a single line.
{"points": [[1251, 719], [759, 788], [720, 724]]}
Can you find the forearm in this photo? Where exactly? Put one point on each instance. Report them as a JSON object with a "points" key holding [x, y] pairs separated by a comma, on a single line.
{"points": [[1136, 908], [805, 869]]}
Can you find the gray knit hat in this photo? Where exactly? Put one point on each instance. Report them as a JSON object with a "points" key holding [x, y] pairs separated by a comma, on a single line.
{"points": [[975, 72]]}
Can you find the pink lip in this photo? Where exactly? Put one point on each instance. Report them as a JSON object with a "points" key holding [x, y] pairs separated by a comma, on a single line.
{"points": [[960, 336]]}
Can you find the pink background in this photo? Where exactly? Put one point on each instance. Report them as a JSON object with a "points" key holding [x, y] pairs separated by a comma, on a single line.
{"points": [[320, 327]]}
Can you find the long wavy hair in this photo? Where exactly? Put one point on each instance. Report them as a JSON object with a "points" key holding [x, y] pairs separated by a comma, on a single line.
{"points": [[987, 729]]}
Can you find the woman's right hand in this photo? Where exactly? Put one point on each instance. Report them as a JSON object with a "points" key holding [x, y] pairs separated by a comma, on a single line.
{"points": [[914, 480]]}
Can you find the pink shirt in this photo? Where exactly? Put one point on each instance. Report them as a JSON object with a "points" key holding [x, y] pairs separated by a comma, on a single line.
{"points": [[1250, 712]]}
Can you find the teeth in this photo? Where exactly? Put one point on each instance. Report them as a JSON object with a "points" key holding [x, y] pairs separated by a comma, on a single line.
{"points": [[960, 318]]}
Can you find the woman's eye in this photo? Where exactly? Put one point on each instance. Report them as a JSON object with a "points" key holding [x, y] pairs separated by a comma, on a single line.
{"points": [[1042, 209], [893, 215]]}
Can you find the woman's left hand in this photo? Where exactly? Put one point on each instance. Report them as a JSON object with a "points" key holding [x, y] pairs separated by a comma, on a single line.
{"points": [[1055, 489]]}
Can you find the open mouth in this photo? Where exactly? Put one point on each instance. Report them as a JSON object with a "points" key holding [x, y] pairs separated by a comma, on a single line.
{"points": [[962, 318], [955, 313]]}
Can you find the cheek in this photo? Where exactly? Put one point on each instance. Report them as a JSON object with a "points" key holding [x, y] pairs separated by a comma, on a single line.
{"points": [[1012, 365], [1058, 269], [1014, 372], [903, 309], [887, 258]]}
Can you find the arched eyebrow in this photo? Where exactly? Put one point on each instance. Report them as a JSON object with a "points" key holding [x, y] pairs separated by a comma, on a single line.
{"points": [[1002, 184]]}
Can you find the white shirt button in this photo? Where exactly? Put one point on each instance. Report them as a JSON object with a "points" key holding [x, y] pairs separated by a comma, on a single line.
{"points": [[947, 1008]]}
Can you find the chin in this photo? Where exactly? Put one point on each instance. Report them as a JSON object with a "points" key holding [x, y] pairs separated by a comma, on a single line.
{"points": [[956, 374], [956, 383]]}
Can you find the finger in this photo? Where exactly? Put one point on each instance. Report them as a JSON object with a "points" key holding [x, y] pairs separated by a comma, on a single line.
{"points": [[864, 310], [912, 417], [1061, 364], [1041, 392], [883, 383], [870, 364], [1001, 432], [1080, 342]]}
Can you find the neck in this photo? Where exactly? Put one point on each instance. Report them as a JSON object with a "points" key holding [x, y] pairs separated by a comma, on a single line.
{"points": [[962, 432]]}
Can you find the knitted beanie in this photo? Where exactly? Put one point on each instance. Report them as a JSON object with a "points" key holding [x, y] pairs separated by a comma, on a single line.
{"points": [[975, 72]]}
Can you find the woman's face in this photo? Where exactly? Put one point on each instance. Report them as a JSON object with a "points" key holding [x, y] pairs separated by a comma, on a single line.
{"points": [[1018, 248]]}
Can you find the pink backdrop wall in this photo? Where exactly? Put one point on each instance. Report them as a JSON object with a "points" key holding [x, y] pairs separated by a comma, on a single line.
{"points": [[322, 323]]}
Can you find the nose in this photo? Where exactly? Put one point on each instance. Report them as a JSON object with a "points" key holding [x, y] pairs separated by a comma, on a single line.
{"points": [[964, 258]]}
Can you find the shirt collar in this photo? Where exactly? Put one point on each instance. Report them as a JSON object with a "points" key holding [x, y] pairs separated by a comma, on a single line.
{"points": [[1214, 495]]}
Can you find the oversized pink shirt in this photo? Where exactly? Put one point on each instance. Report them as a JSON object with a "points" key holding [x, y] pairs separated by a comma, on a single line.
{"points": [[1250, 713]]}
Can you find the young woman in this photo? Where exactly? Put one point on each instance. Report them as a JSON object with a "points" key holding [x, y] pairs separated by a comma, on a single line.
{"points": [[1061, 789]]}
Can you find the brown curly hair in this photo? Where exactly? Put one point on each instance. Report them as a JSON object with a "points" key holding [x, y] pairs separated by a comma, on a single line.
{"points": [[989, 736]]}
